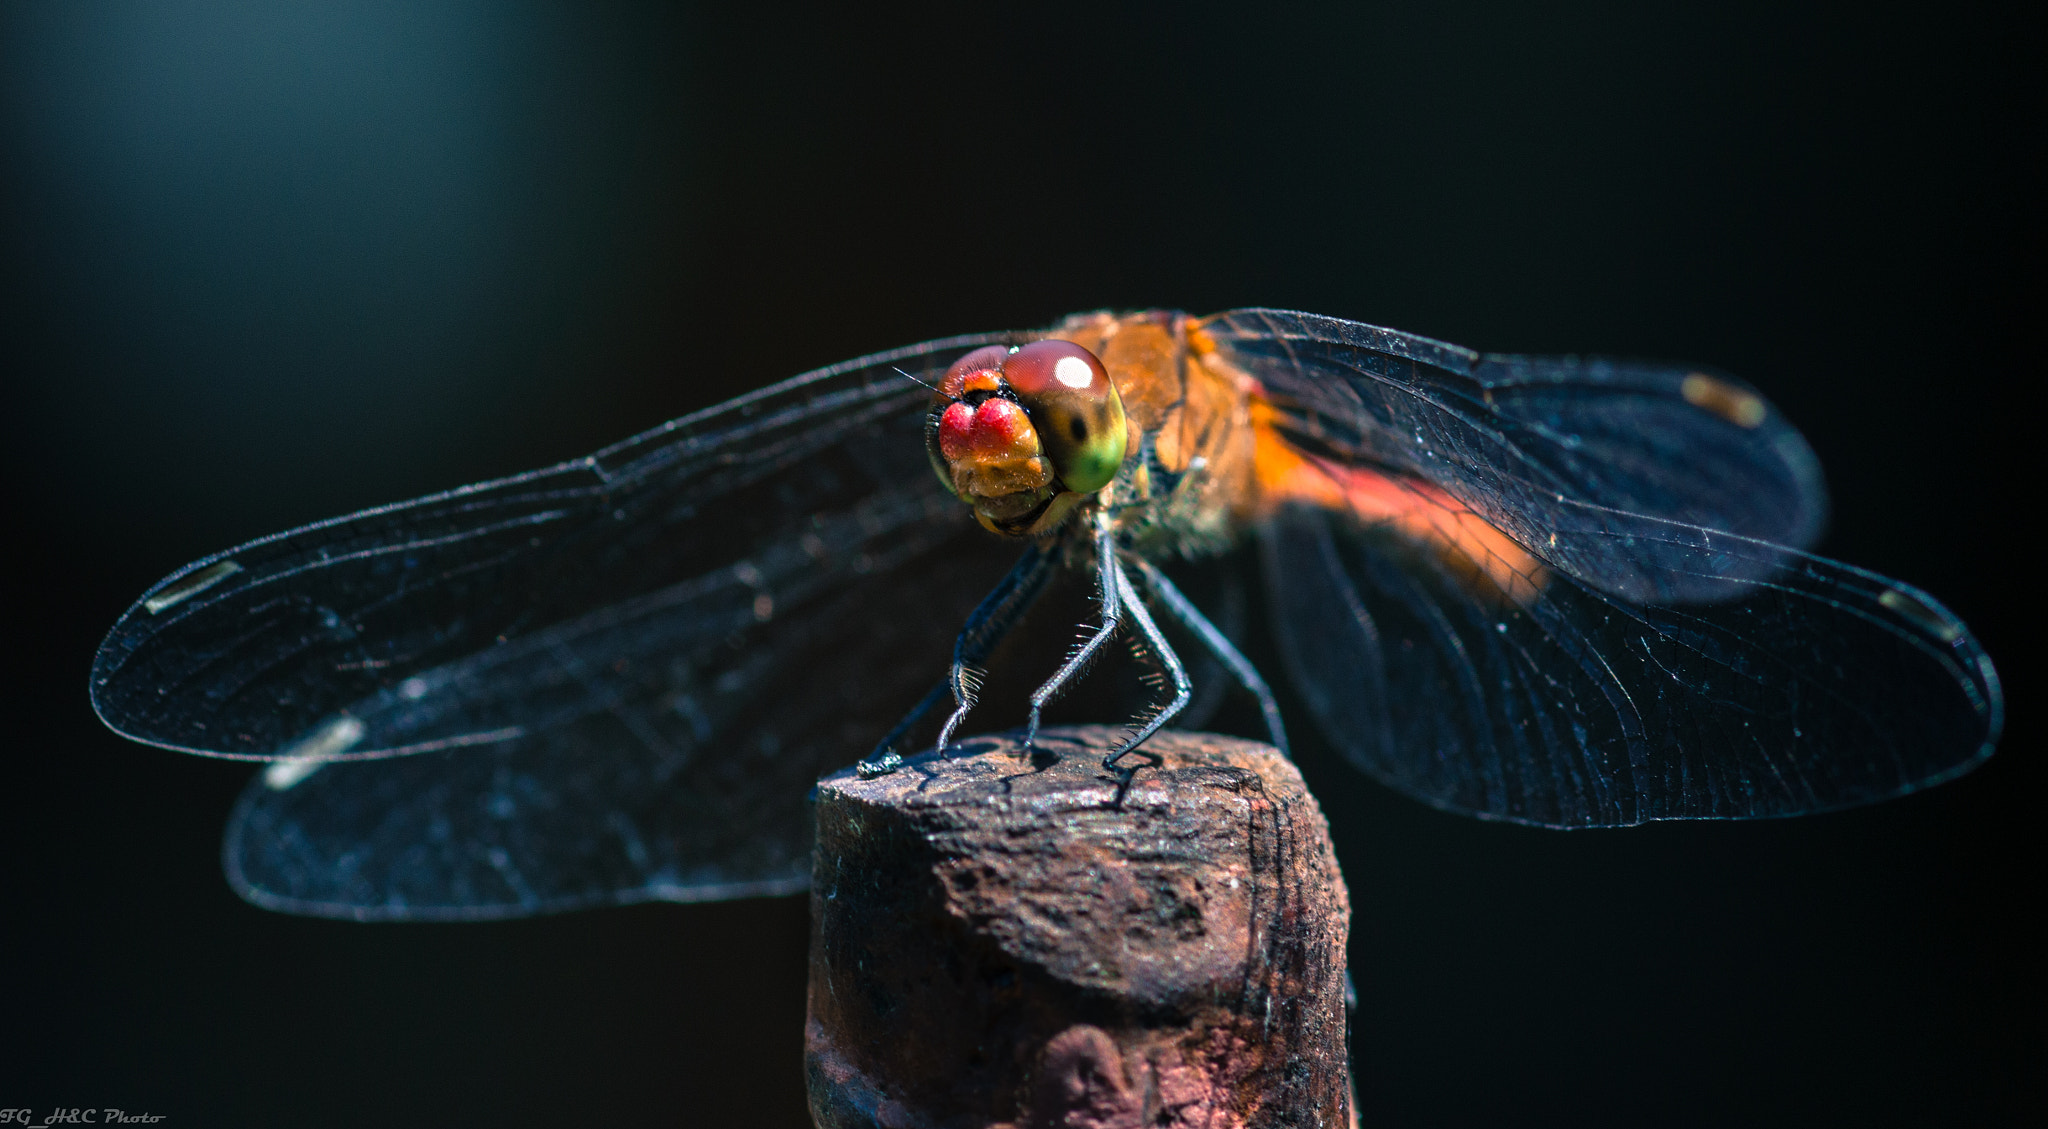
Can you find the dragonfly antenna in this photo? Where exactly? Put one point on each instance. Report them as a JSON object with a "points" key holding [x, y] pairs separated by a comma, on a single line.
{"points": [[914, 380]]}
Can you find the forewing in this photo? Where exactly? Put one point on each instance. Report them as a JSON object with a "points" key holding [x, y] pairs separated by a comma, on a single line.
{"points": [[426, 625], [1810, 685], [1604, 454], [689, 784]]}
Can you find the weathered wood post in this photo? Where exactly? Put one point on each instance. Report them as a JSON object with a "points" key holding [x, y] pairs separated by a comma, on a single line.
{"points": [[1012, 943]]}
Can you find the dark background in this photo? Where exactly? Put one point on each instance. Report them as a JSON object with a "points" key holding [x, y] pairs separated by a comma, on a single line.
{"points": [[265, 264]]}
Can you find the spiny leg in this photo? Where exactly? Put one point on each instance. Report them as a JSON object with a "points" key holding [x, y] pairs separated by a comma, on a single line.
{"points": [[1112, 617], [1182, 688], [1219, 645], [990, 621]]}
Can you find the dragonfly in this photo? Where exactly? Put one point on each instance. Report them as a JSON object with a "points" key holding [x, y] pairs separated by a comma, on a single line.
{"points": [[1566, 592]]}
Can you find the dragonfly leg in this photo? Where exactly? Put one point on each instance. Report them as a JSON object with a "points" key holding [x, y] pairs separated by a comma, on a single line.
{"points": [[1219, 645], [1182, 688], [990, 621], [1213, 684], [1112, 617], [885, 759]]}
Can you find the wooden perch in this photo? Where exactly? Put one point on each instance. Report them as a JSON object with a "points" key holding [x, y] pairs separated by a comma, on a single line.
{"points": [[1014, 943]]}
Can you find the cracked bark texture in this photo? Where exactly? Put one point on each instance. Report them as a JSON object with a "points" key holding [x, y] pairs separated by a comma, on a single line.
{"points": [[1011, 942]]}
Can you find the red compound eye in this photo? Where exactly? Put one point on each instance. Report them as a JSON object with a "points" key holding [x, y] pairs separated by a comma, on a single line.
{"points": [[987, 359], [1080, 417], [1056, 368]]}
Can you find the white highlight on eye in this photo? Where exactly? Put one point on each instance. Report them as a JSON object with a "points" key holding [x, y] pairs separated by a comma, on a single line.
{"points": [[1073, 372]]}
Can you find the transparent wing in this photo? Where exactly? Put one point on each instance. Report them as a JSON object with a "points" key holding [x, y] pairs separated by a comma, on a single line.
{"points": [[689, 784], [439, 623], [1606, 454], [1809, 685]]}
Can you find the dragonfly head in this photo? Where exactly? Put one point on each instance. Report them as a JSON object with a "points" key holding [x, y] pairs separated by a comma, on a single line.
{"points": [[1024, 435]]}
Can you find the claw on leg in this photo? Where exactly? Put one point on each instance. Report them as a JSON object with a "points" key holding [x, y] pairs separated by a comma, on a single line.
{"points": [[889, 761], [991, 620]]}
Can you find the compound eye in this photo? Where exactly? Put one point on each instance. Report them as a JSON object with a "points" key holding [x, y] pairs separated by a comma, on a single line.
{"points": [[1075, 409], [977, 371]]}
